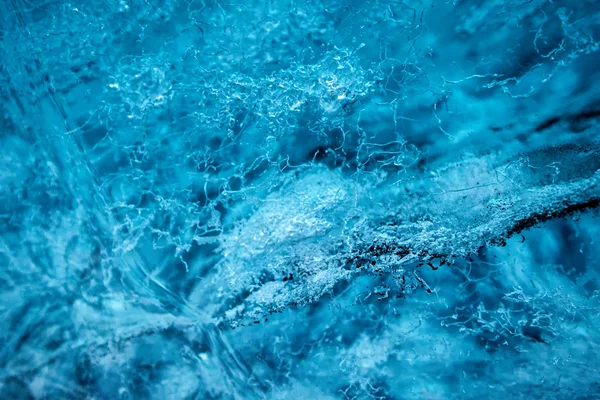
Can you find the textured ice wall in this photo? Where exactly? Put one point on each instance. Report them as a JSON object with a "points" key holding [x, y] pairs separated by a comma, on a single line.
{"points": [[298, 199]]}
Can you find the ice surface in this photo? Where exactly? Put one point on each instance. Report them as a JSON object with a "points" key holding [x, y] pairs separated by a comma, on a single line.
{"points": [[299, 199]]}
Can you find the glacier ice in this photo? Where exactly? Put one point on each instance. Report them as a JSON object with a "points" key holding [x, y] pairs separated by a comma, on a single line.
{"points": [[374, 199]]}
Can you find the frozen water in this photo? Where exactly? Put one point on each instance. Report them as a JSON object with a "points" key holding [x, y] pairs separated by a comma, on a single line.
{"points": [[299, 199]]}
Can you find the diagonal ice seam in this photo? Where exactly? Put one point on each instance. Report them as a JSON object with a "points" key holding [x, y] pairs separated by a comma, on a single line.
{"points": [[325, 228]]}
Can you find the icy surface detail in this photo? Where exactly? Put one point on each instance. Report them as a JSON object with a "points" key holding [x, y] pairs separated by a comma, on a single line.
{"points": [[299, 199]]}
